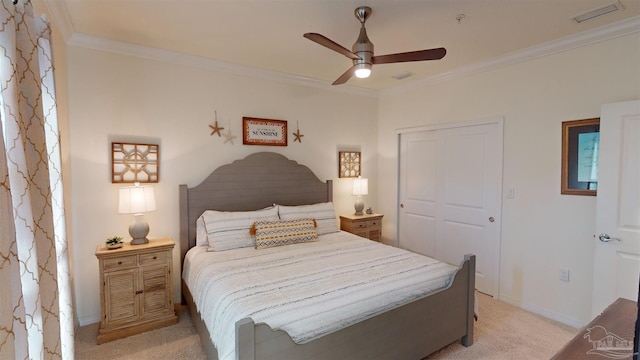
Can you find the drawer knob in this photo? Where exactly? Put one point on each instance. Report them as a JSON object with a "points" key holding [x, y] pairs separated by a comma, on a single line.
{"points": [[119, 262], [155, 257], [139, 292]]}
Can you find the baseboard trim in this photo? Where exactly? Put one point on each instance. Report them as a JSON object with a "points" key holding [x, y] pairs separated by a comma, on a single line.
{"points": [[86, 320], [543, 312]]}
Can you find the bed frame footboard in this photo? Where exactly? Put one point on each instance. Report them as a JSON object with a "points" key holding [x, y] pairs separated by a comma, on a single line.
{"points": [[412, 331]]}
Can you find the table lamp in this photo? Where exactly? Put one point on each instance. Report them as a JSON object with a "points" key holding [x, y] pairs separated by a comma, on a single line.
{"points": [[360, 187], [137, 200]]}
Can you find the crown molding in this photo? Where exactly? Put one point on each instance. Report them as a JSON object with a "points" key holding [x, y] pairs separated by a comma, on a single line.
{"points": [[60, 17], [145, 52], [613, 30]]}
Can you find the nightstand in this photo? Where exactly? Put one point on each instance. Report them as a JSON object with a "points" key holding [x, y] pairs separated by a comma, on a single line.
{"points": [[136, 288], [367, 225]]}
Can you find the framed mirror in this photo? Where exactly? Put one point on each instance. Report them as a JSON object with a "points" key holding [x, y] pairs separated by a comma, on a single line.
{"points": [[580, 144]]}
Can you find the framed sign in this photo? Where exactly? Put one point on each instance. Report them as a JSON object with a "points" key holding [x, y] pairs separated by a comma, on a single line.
{"points": [[264, 132], [580, 145], [134, 163]]}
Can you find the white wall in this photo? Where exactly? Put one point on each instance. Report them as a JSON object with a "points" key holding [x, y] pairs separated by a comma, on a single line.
{"points": [[115, 97], [542, 230]]}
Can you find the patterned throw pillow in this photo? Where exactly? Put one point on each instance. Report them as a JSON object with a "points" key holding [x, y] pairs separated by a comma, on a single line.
{"points": [[283, 232]]}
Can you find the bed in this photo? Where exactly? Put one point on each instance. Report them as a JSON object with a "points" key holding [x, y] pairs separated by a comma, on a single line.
{"points": [[412, 330]]}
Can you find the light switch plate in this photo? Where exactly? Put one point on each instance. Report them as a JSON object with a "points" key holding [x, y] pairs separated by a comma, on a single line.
{"points": [[510, 193]]}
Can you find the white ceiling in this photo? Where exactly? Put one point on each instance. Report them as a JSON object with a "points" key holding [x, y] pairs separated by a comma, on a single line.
{"points": [[267, 34]]}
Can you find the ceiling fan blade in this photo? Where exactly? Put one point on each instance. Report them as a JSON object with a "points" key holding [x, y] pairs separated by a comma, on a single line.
{"points": [[420, 55], [328, 43], [346, 76]]}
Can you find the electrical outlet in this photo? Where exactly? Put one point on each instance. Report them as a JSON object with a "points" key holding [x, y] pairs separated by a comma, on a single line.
{"points": [[564, 274]]}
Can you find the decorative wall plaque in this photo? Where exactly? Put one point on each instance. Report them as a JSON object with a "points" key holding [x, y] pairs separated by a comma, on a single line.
{"points": [[264, 132], [134, 163], [349, 164]]}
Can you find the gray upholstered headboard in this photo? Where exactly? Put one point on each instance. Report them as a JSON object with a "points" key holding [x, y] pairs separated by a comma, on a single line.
{"points": [[255, 182]]}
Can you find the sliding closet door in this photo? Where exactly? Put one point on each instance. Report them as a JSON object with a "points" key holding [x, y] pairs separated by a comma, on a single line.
{"points": [[450, 186]]}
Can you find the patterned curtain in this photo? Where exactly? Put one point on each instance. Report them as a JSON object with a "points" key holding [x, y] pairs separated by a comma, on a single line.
{"points": [[36, 319]]}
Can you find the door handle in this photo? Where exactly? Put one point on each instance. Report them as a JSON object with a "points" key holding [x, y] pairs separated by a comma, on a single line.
{"points": [[605, 238]]}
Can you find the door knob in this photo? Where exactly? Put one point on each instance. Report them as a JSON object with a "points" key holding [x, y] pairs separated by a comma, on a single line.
{"points": [[605, 238], [402, 206], [491, 219]]}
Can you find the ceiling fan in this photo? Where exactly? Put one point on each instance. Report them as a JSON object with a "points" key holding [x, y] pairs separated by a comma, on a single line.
{"points": [[362, 51]]}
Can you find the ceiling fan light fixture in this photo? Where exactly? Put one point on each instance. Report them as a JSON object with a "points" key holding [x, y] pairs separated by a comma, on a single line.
{"points": [[362, 51], [363, 71]]}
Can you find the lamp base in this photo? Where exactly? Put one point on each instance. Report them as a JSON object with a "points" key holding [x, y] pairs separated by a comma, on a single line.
{"points": [[139, 231], [359, 205], [139, 241]]}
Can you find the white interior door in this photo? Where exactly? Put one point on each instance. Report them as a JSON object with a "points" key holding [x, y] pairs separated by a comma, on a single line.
{"points": [[450, 185], [617, 259], [418, 190]]}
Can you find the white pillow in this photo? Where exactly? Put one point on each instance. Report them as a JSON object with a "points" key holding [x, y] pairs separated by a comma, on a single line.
{"points": [[323, 213], [228, 230], [201, 232]]}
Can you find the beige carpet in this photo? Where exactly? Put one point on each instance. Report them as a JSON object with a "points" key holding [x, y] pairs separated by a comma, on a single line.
{"points": [[179, 341], [502, 332], [506, 332]]}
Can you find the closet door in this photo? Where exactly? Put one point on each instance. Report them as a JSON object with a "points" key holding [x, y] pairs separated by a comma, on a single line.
{"points": [[450, 186]]}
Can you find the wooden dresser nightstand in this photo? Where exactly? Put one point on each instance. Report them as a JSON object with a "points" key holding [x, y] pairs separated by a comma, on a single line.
{"points": [[367, 225], [610, 333], [136, 292]]}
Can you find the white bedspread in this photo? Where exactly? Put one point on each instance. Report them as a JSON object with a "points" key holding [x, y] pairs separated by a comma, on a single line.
{"points": [[309, 289]]}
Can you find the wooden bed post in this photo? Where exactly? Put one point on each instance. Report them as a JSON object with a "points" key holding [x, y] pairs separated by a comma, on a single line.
{"points": [[184, 223], [467, 340]]}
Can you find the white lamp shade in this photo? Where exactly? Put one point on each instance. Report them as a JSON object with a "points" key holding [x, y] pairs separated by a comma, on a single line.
{"points": [[360, 186], [136, 200]]}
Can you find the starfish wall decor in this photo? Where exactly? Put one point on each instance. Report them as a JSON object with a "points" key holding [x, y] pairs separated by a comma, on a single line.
{"points": [[228, 137], [297, 134], [215, 128]]}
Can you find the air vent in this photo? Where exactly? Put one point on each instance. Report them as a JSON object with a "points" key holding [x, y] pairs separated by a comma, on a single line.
{"points": [[402, 75], [592, 14]]}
